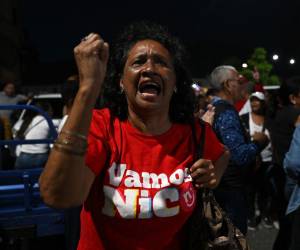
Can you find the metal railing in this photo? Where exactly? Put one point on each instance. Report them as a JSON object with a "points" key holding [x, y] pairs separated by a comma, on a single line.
{"points": [[52, 130]]}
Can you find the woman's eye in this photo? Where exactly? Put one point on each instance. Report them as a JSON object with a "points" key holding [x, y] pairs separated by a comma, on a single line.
{"points": [[161, 62], [138, 62]]}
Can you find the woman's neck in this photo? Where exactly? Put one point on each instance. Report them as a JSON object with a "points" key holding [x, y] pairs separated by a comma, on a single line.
{"points": [[150, 124], [257, 118]]}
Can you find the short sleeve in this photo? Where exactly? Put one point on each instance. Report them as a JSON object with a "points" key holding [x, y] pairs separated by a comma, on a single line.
{"points": [[97, 150]]}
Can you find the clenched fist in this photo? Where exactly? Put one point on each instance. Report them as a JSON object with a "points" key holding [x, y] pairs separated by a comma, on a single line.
{"points": [[91, 57]]}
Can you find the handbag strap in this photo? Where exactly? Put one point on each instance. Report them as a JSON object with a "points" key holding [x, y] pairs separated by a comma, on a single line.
{"points": [[206, 196], [199, 147]]}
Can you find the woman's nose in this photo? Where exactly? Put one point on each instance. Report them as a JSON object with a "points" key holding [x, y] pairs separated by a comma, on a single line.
{"points": [[149, 66]]}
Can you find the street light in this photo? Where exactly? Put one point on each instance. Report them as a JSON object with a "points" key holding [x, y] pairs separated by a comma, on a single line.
{"points": [[292, 61], [245, 65], [275, 57]]}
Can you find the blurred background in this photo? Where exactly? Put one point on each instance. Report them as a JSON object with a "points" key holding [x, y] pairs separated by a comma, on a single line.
{"points": [[37, 37]]}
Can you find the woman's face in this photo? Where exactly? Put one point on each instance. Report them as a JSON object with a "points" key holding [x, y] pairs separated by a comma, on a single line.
{"points": [[256, 105], [149, 77]]}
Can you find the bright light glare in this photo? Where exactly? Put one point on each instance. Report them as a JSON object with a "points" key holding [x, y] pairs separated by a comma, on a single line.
{"points": [[245, 65], [196, 87], [292, 61], [275, 57]]}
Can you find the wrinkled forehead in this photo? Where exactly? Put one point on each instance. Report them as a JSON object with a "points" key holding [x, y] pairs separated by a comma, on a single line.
{"points": [[148, 46]]}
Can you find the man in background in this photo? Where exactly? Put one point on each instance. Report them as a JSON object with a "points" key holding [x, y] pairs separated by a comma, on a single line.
{"points": [[230, 193]]}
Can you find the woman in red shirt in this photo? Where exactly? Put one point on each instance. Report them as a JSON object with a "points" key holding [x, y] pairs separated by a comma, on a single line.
{"points": [[132, 163]]}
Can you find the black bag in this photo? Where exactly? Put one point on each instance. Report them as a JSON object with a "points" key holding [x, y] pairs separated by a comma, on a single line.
{"points": [[209, 227]]}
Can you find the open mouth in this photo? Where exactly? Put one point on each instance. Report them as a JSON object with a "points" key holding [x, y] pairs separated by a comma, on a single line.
{"points": [[150, 88]]}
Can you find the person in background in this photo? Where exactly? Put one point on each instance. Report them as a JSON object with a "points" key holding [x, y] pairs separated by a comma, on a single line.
{"points": [[1, 138], [135, 174], [34, 126], [203, 110], [210, 95], [8, 96], [72, 215], [259, 186], [247, 90], [228, 127], [245, 93], [258, 86], [282, 129], [69, 91], [292, 167]]}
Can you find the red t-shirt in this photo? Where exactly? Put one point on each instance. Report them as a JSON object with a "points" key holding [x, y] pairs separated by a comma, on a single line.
{"points": [[142, 194]]}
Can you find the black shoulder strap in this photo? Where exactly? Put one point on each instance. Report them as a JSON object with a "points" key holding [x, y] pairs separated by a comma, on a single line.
{"points": [[245, 120], [199, 146]]}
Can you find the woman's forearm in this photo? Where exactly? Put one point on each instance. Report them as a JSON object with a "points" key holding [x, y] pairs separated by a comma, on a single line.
{"points": [[66, 181]]}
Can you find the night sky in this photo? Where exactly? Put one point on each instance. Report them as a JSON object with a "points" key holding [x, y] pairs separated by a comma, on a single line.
{"points": [[213, 31]]}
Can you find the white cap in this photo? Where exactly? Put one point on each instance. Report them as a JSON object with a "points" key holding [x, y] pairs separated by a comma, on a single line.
{"points": [[258, 95]]}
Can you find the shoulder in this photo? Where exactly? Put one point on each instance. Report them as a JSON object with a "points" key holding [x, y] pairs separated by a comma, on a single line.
{"points": [[226, 117], [102, 120], [21, 97], [221, 106], [297, 133], [39, 120], [297, 122], [101, 116]]}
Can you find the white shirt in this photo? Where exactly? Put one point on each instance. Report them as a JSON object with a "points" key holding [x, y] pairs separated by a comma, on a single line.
{"points": [[37, 129], [266, 154]]}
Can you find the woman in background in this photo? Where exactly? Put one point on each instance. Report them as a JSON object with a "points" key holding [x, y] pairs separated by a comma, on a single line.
{"points": [[34, 126]]}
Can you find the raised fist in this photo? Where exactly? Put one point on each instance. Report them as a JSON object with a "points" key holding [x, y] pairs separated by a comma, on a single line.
{"points": [[91, 57]]}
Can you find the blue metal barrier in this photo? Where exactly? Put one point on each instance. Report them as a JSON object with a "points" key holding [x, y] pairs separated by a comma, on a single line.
{"points": [[22, 211], [21, 207], [53, 133]]}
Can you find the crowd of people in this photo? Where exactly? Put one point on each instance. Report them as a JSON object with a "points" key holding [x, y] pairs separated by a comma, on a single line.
{"points": [[128, 166], [268, 178]]}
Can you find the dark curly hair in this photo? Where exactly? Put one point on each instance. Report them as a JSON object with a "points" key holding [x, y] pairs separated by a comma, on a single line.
{"points": [[181, 106]]}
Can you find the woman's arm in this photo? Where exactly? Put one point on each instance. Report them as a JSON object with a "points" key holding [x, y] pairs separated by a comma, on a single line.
{"points": [[66, 181]]}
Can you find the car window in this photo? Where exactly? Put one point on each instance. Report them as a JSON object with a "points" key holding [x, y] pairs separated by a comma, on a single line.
{"points": [[56, 104]]}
